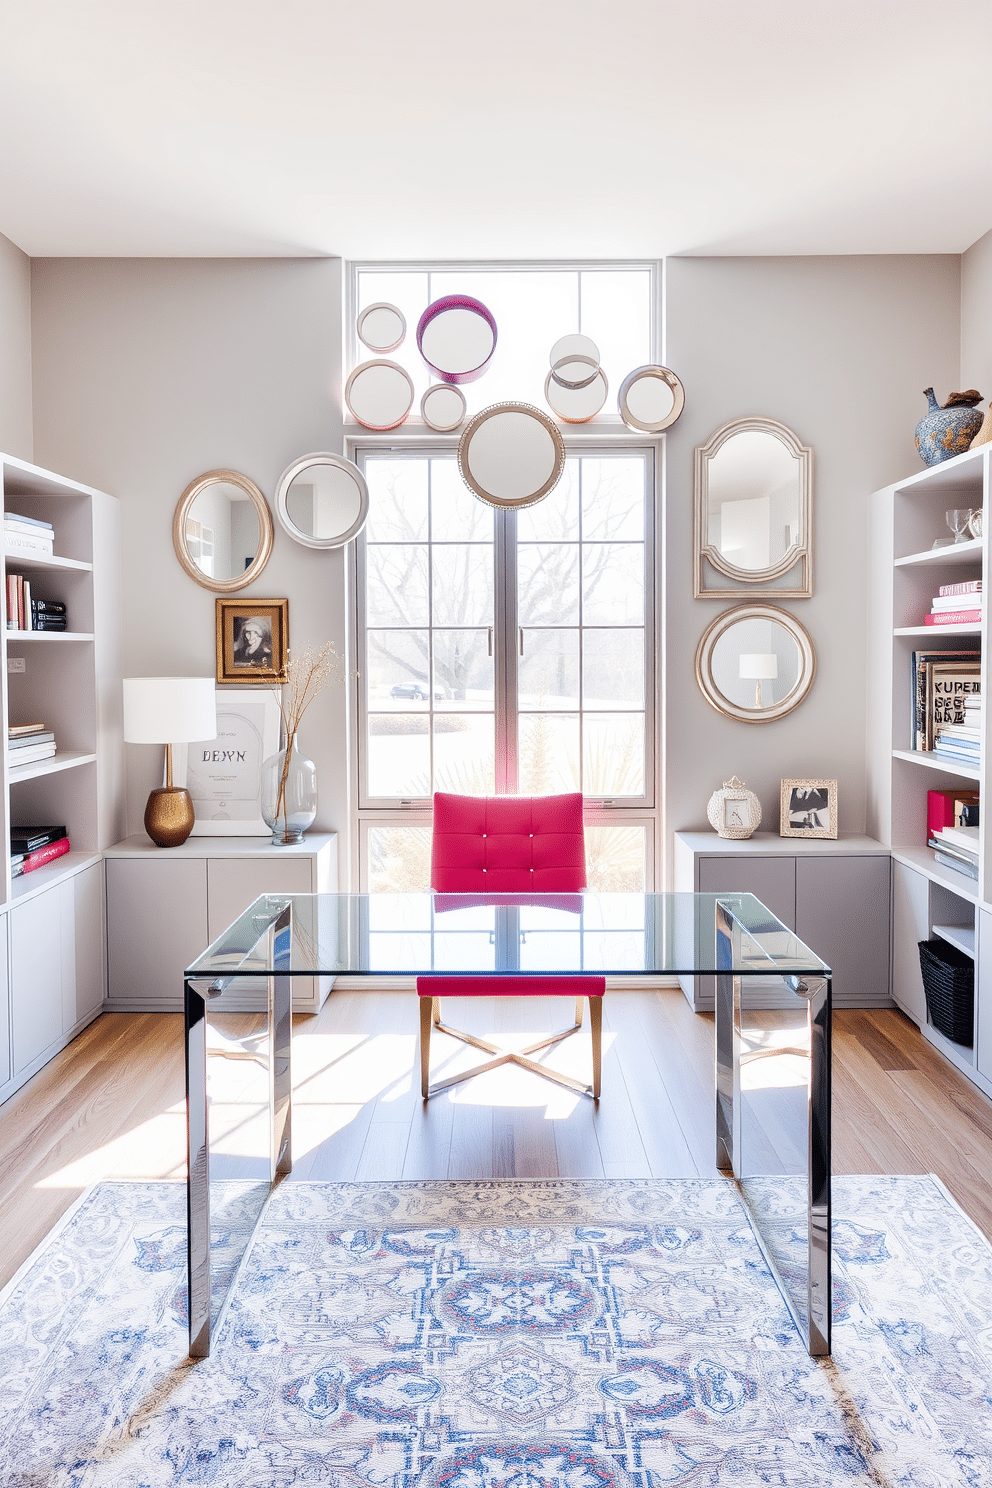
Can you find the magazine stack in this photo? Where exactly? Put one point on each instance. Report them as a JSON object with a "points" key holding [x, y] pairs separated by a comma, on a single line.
{"points": [[962, 742], [953, 820], [29, 743], [956, 604], [942, 683], [28, 535], [33, 847]]}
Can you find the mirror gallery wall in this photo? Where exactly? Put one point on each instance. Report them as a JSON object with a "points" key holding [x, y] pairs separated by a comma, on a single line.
{"points": [[147, 372]]}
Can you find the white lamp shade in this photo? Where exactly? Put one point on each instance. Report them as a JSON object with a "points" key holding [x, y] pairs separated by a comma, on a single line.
{"points": [[169, 710], [759, 665]]}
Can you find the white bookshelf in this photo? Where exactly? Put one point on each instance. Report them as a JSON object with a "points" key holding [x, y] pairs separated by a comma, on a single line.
{"points": [[52, 938], [906, 571]]}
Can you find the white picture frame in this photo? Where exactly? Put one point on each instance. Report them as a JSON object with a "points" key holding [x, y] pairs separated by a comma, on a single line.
{"points": [[808, 808], [227, 792]]}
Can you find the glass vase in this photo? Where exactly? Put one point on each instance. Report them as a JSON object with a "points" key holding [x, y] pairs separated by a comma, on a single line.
{"points": [[289, 794]]}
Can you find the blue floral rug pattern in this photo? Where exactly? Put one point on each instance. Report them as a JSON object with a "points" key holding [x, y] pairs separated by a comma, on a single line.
{"points": [[529, 1334]]}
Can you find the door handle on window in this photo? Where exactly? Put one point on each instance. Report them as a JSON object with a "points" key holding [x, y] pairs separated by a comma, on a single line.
{"points": [[490, 635], [521, 629]]}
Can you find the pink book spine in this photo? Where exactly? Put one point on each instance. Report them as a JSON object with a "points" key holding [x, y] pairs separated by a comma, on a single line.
{"points": [[46, 854], [970, 586], [953, 617]]}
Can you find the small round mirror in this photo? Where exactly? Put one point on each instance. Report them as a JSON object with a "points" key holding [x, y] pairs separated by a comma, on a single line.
{"points": [[322, 501], [576, 404], [456, 337], [650, 399], [511, 455], [381, 327], [443, 407], [222, 531], [379, 394], [755, 663]]}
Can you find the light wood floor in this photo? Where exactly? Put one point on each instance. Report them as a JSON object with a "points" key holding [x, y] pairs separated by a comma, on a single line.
{"points": [[112, 1105]]}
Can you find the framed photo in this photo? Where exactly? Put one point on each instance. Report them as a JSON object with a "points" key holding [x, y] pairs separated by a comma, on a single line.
{"points": [[808, 808], [224, 775], [252, 641]]}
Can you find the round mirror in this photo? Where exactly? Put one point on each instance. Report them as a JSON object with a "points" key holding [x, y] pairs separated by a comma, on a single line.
{"points": [[322, 501], [755, 663], [382, 327], [574, 361], [442, 407], [222, 531], [511, 455], [650, 399], [576, 405], [456, 337], [379, 394]]}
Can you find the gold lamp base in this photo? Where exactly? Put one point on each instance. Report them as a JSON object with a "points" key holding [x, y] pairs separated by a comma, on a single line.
{"points": [[169, 815]]}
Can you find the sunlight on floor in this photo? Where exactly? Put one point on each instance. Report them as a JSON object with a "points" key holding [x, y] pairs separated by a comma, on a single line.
{"points": [[154, 1149]]}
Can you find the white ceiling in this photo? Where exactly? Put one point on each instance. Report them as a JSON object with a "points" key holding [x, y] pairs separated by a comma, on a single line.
{"points": [[522, 128]]}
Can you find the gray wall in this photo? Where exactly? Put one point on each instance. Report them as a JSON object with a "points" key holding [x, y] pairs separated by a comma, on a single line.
{"points": [[976, 317], [15, 351], [839, 349], [148, 373]]}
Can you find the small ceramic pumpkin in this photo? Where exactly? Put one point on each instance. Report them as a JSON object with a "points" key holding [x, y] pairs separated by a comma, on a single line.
{"points": [[734, 811]]}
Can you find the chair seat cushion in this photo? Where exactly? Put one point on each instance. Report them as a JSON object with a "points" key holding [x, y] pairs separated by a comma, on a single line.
{"points": [[511, 986]]}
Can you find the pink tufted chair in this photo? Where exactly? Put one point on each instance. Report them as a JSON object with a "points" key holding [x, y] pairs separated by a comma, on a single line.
{"points": [[509, 845]]}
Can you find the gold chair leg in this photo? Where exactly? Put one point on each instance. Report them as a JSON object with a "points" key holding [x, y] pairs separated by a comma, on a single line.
{"points": [[596, 1029], [436, 1006], [578, 1012], [427, 1005]]}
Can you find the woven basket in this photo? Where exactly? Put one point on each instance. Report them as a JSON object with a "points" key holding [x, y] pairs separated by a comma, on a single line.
{"points": [[949, 987]]}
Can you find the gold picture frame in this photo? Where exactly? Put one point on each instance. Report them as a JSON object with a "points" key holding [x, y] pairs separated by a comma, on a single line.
{"points": [[808, 808], [252, 641]]}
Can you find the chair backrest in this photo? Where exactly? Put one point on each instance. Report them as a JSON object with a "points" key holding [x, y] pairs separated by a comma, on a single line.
{"points": [[508, 844]]}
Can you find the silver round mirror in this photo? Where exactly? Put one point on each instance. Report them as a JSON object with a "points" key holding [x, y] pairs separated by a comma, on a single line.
{"points": [[381, 327], [322, 501], [379, 394], [222, 531], [579, 403], [511, 455], [443, 407], [755, 663], [650, 399]]}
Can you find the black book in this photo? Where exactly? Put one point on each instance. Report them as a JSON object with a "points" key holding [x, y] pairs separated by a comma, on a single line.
{"points": [[48, 607], [48, 622], [29, 839]]}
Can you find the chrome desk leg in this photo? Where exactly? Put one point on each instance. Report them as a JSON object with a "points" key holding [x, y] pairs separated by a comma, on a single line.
{"points": [[198, 1171], [728, 1061], [281, 1030], [820, 1297]]}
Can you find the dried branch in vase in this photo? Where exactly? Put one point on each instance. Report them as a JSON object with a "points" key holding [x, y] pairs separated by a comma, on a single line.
{"points": [[306, 675]]}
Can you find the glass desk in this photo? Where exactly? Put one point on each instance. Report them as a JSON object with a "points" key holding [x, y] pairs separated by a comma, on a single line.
{"points": [[772, 1064]]}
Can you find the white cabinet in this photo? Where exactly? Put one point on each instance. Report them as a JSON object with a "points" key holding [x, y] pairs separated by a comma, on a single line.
{"points": [[165, 906], [833, 894], [910, 925], [6, 1063]]}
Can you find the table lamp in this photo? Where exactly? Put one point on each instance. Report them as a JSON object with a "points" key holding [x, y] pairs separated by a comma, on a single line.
{"points": [[169, 710], [758, 666]]}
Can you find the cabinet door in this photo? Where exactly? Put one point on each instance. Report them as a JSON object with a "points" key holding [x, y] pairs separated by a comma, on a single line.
{"points": [[772, 880], [84, 953], [156, 925], [6, 1061], [36, 975], [232, 884], [910, 925], [842, 914], [983, 993]]}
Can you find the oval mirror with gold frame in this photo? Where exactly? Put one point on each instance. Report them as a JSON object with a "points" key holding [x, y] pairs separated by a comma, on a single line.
{"points": [[755, 663], [753, 512], [222, 531]]}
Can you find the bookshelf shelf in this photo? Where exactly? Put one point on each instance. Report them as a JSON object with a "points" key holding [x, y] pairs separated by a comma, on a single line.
{"points": [[951, 556], [935, 762], [31, 884], [962, 936], [49, 635], [974, 628], [922, 860], [65, 759], [16, 559]]}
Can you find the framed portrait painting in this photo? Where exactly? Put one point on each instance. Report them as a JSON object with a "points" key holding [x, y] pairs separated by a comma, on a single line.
{"points": [[252, 641], [808, 808]]}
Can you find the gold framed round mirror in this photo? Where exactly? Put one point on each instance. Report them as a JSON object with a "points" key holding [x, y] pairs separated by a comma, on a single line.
{"points": [[222, 531], [755, 663]]}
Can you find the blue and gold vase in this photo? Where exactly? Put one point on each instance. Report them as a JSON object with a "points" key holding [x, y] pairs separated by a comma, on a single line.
{"points": [[945, 432]]}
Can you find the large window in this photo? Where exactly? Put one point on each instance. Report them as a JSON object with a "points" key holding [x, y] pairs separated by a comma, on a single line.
{"points": [[505, 651]]}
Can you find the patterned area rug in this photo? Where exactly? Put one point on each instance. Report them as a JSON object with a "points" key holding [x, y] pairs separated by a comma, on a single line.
{"points": [[555, 1334]]}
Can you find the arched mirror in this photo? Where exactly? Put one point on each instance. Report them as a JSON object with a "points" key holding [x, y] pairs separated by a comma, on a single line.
{"points": [[755, 663], [753, 512], [322, 500], [511, 455], [222, 531]]}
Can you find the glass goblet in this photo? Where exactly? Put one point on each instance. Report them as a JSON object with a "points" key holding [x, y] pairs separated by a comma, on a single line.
{"points": [[957, 519]]}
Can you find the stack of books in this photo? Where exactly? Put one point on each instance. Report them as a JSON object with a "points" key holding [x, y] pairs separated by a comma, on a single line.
{"points": [[27, 535], [956, 604], [33, 847], [962, 741], [25, 612], [942, 682], [957, 848], [27, 743]]}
